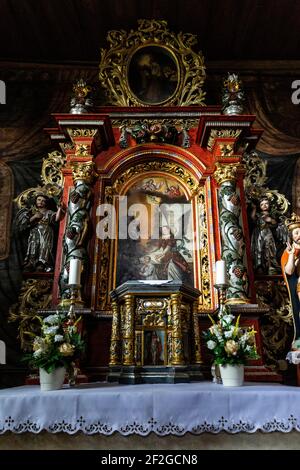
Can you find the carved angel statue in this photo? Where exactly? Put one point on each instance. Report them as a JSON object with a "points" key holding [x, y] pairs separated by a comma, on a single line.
{"points": [[39, 220], [81, 102], [233, 95]]}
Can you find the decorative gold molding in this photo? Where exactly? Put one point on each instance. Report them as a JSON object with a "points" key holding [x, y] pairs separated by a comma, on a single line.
{"points": [[226, 150], [83, 171], [205, 301], [82, 150], [167, 167], [115, 64], [82, 132], [221, 133], [226, 172]]}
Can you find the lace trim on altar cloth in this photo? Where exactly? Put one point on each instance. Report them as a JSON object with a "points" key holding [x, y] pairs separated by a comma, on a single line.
{"points": [[144, 429]]}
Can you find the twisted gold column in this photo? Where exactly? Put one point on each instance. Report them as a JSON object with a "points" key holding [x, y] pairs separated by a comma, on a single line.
{"points": [[115, 336], [196, 331], [177, 339], [128, 331]]}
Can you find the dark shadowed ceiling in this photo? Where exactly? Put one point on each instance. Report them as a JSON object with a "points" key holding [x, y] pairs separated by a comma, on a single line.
{"points": [[75, 30]]}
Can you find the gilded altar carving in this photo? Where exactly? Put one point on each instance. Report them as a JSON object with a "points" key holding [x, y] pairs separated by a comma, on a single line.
{"points": [[166, 167], [226, 172], [226, 150], [221, 133], [128, 331], [35, 294], [82, 132], [177, 339], [82, 150], [277, 324], [51, 177], [205, 301], [115, 335], [152, 66]]}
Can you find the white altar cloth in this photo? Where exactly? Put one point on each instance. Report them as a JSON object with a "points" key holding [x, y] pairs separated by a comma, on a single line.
{"points": [[160, 408]]}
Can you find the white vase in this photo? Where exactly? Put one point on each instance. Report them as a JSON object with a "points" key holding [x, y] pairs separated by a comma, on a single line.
{"points": [[232, 375], [52, 381]]}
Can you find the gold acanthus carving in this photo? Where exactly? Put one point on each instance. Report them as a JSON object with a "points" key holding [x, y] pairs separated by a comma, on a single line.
{"points": [[115, 60], [35, 294], [205, 287], [83, 171], [226, 172], [167, 167], [82, 150], [226, 150], [82, 132], [178, 123], [52, 179], [115, 336], [153, 319], [221, 133]]}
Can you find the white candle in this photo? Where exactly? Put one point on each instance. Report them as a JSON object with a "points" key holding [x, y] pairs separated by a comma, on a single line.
{"points": [[221, 274], [75, 271]]}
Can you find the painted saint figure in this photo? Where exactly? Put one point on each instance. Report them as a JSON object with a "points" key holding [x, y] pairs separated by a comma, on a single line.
{"points": [[263, 246], [148, 269], [156, 349], [40, 221], [290, 263]]}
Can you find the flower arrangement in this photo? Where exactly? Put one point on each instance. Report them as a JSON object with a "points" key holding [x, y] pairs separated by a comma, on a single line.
{"points": [[58, 345], [229, 343]]}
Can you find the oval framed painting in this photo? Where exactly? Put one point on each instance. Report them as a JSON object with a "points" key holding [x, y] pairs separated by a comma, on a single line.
{"points": [[153, 74]]}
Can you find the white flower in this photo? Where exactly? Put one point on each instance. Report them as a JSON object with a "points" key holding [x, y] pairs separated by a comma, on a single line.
{"points": [[38, 353], [211, 344], [58, 338], [226, 319], [50, 330], [229, 333], [53, 319]]}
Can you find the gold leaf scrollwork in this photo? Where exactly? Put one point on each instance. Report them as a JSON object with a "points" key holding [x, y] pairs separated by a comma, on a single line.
{"points": [[226, 172], [205, 288], [35, 294], [115, 61], [166, 167], [52, 179], [277, 325], [221, 133]]}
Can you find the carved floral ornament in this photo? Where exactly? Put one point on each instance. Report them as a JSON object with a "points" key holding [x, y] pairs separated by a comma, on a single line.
{"points": [[83, 171], [226, 172], [152, 66]]}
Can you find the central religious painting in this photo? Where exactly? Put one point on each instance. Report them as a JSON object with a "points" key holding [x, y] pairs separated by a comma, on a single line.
{"points": [[159, 227]]}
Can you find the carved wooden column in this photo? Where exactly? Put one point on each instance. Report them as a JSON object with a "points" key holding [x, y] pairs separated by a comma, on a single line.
{"points": [[233, 241], [196, 332], [177, 339], [128, 331], [115, 335]]}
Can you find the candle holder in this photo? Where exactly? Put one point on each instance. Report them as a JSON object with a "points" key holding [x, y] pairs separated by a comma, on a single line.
{"points": [[75, 300], [222, 288]]}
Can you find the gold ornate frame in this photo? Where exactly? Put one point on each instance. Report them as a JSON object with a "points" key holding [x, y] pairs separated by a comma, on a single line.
{"points": [[106, 253], [115, 64]]}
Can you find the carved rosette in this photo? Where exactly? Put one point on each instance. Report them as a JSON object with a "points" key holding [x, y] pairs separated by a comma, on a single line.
{"points": [[115, 336], [74, 244], [128, 331], [177, 339], [233, 242]]}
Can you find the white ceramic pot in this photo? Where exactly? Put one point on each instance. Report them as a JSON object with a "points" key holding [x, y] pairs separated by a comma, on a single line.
{"points": [[52, 381], [232, 375]]}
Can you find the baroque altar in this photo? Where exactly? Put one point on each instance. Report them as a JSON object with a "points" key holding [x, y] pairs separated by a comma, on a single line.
{"points": [[153, 189]]}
